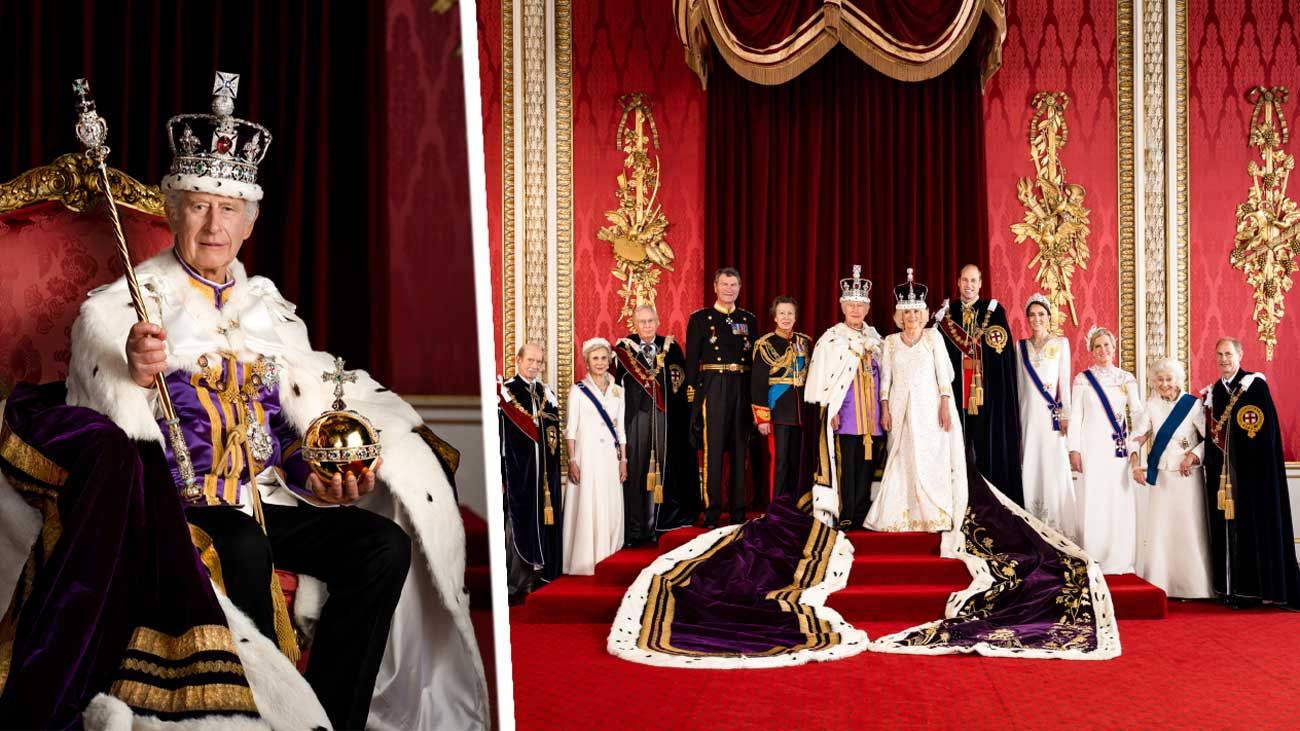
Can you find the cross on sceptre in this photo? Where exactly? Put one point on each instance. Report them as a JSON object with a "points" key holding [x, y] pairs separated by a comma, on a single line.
{"points": [[339, 377]]}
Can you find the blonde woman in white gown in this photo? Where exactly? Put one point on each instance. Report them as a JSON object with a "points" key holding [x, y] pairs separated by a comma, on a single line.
{"points": [[593, 495], [1043, 384], [1106, 496], [1173, 545], [926, 452]]}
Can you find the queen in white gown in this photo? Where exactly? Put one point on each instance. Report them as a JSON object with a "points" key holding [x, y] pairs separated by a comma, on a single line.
{"points": [[1173, 545], [593, 494], [1106, 496], [1043, 384], [926, 452]]}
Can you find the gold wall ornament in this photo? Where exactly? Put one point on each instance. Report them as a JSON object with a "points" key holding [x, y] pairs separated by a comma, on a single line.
{"points": [[1268, 223], [639, 225], [74, 181], [1055, 217]]}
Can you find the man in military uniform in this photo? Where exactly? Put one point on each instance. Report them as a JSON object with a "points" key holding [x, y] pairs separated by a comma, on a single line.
{"points": [[780, 367], [645, 365], [978, 341], [529, 420], [718, 344]]}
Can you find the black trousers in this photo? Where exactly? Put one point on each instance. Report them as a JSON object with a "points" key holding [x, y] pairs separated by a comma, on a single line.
{"points": [[363, 558], [638, 503], [786, 446], [855, 474], [724, 424]]}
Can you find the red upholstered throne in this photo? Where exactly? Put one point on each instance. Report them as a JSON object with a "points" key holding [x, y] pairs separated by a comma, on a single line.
{"points": [[57, 244]]}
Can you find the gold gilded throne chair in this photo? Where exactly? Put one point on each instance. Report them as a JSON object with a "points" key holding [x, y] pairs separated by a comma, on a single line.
{"points": [[56, 244]]}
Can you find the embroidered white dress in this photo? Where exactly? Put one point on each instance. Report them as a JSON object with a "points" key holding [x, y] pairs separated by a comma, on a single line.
{"points": [[916, 491], [1044, 456], [1105, 494], [1173, 543], [593, 508]]}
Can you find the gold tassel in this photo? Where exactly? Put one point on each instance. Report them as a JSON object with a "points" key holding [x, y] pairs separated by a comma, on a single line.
{"points": [[1223, 489], [284, 633], [1229, 509], [866, 445], [548, 513]]}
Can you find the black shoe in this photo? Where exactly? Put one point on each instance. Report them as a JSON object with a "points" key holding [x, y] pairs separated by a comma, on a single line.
{"points": [[1237, 602], [710, 526], [630, 544]]}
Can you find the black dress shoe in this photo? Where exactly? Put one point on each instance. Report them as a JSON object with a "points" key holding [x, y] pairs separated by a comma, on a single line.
{"points": [[710, 526], [630, 544]]}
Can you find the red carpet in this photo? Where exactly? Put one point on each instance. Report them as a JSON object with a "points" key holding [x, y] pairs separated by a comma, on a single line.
{"points": [[1203, 667], [896, 576]]}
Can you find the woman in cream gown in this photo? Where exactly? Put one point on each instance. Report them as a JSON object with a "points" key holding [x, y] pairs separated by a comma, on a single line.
{"points": [[1044, 458], [1173, 545], [926, 452], [593, 495], [1105, 493]]}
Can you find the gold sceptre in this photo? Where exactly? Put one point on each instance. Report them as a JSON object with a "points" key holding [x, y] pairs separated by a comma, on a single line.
{"points": [[92, 130]]}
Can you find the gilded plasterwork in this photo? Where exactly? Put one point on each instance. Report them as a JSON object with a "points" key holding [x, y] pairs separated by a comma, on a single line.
{"points": [[535, 183], [1126, 233], [564, 190], [1184, 344], [1153, 175], [508, 342], [74, 181]]}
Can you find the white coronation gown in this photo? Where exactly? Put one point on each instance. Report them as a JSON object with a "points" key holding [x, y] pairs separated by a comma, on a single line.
{"points": [[1044, 455], [593, 508], [917, 490], [1105, 492]]}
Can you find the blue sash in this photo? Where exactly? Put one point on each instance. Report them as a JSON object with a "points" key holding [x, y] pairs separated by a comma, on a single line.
{"points": [[1053, 405], [609, 423], [1167, 429], [1118, 432], [774, 393]]}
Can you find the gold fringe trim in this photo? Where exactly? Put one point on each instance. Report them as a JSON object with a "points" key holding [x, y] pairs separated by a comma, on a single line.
{"points": [[213, 697], [201, 667], [27, 458], [202, 638], [208, 555], [285, 635]]}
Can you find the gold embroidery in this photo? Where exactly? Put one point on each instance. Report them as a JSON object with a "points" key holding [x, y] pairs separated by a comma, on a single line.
{"points": [[208, 555], [197, 639], [212, 697], [201, 667], [1250, 418], [27, 458]]}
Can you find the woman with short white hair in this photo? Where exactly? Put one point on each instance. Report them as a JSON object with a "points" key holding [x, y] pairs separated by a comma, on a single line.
{"points": [[593, 496], [1174, 553], [1106, 402]]}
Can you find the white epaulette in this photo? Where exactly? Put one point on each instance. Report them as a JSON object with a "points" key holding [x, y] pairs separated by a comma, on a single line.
{"points": [[942, 312], [993, 305]]}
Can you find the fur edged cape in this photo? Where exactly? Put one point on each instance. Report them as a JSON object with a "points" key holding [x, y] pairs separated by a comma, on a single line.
{"points": [[431, 675]]}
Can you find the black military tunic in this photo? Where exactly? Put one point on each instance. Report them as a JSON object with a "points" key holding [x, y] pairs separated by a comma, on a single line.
{"points": [[718, 347], [776, 394]]}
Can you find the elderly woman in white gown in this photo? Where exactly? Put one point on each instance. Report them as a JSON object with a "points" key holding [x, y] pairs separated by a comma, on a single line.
{"points": [[593, 496], [926, 452], [1173, 548], [1043, 381], [1106, 402]]}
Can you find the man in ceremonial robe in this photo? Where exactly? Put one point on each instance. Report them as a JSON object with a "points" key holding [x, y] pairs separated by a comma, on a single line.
{"points": [[645, 364], [529, 421], [780, 368], [844, 380], [239, 368], [719, 341], [978, 339], [1252, 543]]}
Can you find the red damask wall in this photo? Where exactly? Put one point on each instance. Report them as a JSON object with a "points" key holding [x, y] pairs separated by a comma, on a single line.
{"points": [[1232, 46], [430, 348], [489, 72], [1058, 46]]}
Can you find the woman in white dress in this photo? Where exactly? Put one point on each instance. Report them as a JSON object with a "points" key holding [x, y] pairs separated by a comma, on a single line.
{"points": [[926, 452], [1173, 548], [1043, 381], [593, 496], [1099, 447]]}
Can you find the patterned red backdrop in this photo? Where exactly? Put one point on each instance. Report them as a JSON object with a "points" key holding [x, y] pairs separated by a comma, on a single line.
{"points": [[1233, 45], [1059, 46], [489, 72]]}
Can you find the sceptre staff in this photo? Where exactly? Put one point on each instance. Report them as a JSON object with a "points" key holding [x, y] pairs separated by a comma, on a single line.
{"points": [[92, 130]]}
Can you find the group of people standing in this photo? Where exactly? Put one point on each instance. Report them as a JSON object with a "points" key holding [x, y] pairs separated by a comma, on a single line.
{"points": [[652, 427]]}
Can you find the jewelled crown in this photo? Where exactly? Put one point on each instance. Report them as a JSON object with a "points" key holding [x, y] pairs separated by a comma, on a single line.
{"points": [[855, 288], [1037, 298], [217, 153], [910, 295]]}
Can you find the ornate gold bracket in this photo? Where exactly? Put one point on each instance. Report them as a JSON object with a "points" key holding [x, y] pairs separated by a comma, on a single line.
{"points": [[1055, 217], [1268, 237], [74, 181], [640, 226]]}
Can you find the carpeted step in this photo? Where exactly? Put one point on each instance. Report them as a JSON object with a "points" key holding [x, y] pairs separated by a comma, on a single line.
{"points": [[863, 541], [622, 568]]}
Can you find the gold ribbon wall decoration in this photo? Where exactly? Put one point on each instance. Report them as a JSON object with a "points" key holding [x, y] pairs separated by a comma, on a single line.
{"points": [[639, 225], [1055, 217], [1268, 237]]}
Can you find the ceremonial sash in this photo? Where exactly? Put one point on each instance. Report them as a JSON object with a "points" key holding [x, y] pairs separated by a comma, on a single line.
{"points": [[647, 380], [1053, 404], [609, 423], [1118, 433], [1166, 433], [517, 415], [774, 393]]}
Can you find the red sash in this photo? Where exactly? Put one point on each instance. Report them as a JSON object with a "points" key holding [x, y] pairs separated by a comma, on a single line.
{"points": [[650, 383], [518, 416], [971, 354]]}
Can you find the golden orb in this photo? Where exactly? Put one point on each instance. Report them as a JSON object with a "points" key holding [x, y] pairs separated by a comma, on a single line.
{"points": [[339, 442]]}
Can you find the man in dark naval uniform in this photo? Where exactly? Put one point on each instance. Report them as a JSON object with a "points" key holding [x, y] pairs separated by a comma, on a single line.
{"points": [[780, 369], [718, 344], [528, 417], [645, 367], [1251, 539], [978, 340]]}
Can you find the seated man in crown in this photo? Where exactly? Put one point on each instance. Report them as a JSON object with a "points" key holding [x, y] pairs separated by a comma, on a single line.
{"points": [[137, 517]]}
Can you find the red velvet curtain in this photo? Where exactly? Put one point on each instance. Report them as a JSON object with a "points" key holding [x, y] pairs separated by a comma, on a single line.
{"points": [[312, 71], [763, 23], [844, 166]]}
